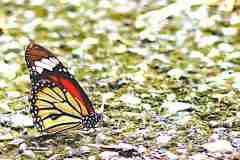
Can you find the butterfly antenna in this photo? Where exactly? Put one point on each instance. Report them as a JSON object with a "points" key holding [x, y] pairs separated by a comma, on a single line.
{"points": [[29, 39]]}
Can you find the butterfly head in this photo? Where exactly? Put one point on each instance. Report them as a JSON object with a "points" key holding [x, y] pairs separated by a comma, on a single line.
{"points": [[92, 120]]}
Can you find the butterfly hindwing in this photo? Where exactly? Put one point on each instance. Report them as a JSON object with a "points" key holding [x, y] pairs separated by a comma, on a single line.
{"points": [[51, 106]]}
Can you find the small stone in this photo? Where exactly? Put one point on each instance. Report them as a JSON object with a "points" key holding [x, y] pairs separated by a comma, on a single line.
{"points": [[196, 54], [202, 87], [124, 7], [235, 19], [214, 137], [232, 55], [171, 156], [171, 97], [5, 134], [13, 94], [82, 54], [29, 154], [174, 107], [8, 70], [56, 157], [3, 84], [176, 73], [37, 2], [120, 49], [200, 13], [163, 139], [225, 47], [130, 99], [236, 155], [104, 4], [214, 52], [199, 156], [146, 106], [23, 147], [102, 138], [138, 77], [4, 108], [207, 23], [107, 155], [106, 96], [140, 51], [92, 158], [29, 15], [230, 31], [16, 142], [85, 149], [141, 149], [97, 66], [114, 37], [218, 146], [21, 120], [125, 146], [236, 143], [88, 43]]}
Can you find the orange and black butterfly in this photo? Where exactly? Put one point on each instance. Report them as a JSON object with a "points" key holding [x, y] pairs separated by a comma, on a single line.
{"points": [[57, 100]]}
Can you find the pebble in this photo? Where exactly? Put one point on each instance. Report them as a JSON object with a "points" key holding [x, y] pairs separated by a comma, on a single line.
{"points": [[176, 73], [235, 19], [13, 94], [108, 155], [3, 84], [102, 138], [202, 87], [163, 139], [85, 149], [16, 142], [89, 42], [5, 134], [8, 70], [198, 156], [23, 147], [21, 120], [92, 158], [236, 143], [4, 108], [130, 99], [171, 156], [140, 51], [230, 31], [56, 157], [225, 47], [218, 146], [126, 146], [174, 107], [29, 154]]}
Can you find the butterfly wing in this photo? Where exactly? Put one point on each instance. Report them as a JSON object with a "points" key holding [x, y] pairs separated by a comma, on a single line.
{"points": [[53, 108], [58, 101]]}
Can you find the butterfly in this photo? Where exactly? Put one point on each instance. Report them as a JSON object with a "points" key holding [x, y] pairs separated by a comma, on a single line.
{"points": [[58, 102]]}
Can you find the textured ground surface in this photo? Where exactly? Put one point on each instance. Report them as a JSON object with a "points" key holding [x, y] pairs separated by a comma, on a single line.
{"points": [[171, 90]]}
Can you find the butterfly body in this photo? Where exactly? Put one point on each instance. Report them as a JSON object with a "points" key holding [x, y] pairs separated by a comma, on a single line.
{"points": [[58, 102]]}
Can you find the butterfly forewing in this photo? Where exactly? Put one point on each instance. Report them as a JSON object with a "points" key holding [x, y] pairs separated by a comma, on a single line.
{"points": [[58, 102]]}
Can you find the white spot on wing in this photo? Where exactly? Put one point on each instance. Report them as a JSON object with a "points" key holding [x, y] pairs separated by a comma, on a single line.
{"points": [[54, 60], [39, 70], [48, 62], [44, 65]]}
